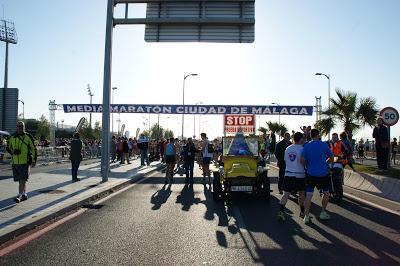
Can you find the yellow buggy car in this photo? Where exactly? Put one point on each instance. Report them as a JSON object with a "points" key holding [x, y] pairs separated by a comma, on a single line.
{"points": [[240, 169]]}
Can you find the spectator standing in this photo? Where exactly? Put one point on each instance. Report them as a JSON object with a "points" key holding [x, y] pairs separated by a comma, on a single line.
{"points": [[75, 156], [381, 144], [113, 149], [24, 154], [280, 156], [143, 145], [395, 148]]}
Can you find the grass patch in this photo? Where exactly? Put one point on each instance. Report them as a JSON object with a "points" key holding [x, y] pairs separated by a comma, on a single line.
{"points": [[392, 172]]}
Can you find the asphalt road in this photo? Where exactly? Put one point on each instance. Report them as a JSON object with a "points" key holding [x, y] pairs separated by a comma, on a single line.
{"points": [[153, 224]]}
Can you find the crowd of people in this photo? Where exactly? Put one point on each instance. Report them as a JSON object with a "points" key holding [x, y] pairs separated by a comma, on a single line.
{"points": [[180, 156]]}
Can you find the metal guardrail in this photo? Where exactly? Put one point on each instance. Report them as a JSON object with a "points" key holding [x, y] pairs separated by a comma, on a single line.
{"points": [[57, 154]]}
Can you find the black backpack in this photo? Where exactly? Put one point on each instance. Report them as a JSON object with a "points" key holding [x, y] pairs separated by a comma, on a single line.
{"points": [[210, 148]]}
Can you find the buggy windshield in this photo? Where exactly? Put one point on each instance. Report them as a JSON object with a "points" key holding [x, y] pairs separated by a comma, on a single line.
{"points": [[240, 145]]}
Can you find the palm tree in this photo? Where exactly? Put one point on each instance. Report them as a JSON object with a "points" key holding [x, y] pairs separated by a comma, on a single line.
{"points": [[275, 127], [263, 130], [348, 111]]}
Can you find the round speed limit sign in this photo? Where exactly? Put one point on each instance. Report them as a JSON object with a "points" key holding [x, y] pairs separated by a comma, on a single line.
{"points": [[390, 116]]}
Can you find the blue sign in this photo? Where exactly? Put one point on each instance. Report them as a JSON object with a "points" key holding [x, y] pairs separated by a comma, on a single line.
{"points": [[192, 109]]}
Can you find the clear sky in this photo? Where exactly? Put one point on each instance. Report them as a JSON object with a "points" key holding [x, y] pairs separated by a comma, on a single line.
{"points": [[61, 49]]}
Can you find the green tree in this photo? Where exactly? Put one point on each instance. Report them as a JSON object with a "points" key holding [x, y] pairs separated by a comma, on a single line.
{"points": [[31, 126], [87, 131], [348, 111], [168, 133], [97, 130], [277, 128], [43, 130], [263, 130], [156, 131]]}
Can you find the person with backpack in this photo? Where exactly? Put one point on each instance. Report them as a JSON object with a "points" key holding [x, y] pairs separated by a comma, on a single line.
{"points": [[75, 156], [189, 153], [24, 155], [207, 150]]}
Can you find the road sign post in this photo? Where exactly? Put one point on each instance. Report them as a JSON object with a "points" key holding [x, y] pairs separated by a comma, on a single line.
{"points": [[390, 117], [228, 21]]}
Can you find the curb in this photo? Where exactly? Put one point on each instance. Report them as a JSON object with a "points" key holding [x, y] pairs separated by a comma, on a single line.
{"points": [[101, 194]]}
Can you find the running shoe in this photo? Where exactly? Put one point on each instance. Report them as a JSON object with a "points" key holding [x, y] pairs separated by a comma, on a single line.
{"points": [[281, 216], [17, 199], [301, 215], [24, 197], [324, 216], [306, 219]]}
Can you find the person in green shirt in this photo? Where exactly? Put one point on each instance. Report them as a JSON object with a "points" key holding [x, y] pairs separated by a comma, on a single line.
{"points": [[75, 156], [23, 151]]}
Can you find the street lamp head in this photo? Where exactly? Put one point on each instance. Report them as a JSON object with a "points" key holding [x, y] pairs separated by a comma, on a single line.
{"points": [[114, 88], [318, 74]]}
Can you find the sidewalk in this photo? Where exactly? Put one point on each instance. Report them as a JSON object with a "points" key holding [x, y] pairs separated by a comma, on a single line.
{"points": [[381, 186], [52, 193]]}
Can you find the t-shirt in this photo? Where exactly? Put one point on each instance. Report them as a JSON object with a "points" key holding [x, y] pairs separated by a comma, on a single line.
{"points": [[292, 159], [205, 150], [170, 150], [315, 153]]}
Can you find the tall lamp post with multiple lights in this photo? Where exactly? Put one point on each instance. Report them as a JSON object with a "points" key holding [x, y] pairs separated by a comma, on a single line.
{"points": [[8, 35], [91, 94], [329, 93], [183, 97]]}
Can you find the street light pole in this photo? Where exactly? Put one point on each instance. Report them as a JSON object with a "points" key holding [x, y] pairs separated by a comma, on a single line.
{"points": [[185, 76], [194, 122], [112, 113], [23, 109], [91, 94], [279, 115], [329, 94]]}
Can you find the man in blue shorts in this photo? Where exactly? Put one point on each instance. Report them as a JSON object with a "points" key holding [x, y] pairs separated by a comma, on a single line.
{"points": [[315, 157]]}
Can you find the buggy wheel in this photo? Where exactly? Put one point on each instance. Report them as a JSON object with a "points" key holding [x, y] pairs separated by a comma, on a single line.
{"points": [[266, 187], [217, 186]]}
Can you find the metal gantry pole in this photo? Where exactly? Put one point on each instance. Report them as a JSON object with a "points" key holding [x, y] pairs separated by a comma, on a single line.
{"points": [[183, 103], [105, 146]]}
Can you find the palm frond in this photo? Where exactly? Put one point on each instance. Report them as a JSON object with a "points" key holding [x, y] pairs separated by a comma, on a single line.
{"points": [[325, 125]]}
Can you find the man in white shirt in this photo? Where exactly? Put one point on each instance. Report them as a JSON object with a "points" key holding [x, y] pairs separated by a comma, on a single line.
{"points": [[294, 180], [207, 155]]}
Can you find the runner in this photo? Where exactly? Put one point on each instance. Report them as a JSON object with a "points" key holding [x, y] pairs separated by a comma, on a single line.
{"points": [[207, 151], [294, 180], [279, 155], [314, 159], [170, 159]]}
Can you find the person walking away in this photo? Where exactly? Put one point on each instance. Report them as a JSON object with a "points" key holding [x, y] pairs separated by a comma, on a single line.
{"points": [[395, 148], [189, 153], [381, 136], [361, 150], [143, 145], [170, 159], [314, 158], [207, 151], [113, 149], [280, 154], [24, 155], [75, 156], [161, 148], [294, 180], [125, 151], [118, 146]]}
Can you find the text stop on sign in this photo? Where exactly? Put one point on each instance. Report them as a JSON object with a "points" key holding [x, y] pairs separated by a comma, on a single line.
{"points": [[244, 123]]}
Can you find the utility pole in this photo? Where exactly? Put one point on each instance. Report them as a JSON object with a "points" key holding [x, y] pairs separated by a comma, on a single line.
{"points": [[91, 94]]}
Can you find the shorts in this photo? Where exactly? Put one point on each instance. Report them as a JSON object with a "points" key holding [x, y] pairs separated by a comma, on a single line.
{"points": [[170, 159], [293, 184], [206, 160], [20, 172], [321, 182]]}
